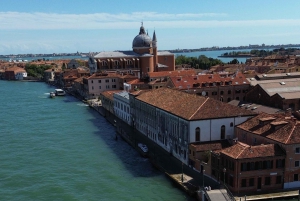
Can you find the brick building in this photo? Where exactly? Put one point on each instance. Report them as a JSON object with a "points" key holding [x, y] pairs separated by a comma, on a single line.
{"points": [[217, 86], [280, 129], [279, 93]]}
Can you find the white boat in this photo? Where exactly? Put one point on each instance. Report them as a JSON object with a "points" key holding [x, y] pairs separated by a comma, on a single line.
{"points": [[52, 94], [143, 149], [60, 92]]}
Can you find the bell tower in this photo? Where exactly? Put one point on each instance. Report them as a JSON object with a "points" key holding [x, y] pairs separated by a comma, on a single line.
{"points": [[154, 46]]}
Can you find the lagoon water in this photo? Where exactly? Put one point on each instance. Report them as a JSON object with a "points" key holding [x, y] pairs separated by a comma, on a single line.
{"points": [[60, 149], [212, 54]]}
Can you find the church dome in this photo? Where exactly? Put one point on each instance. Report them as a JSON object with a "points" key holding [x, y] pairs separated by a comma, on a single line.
{"points": [[142, 40]]}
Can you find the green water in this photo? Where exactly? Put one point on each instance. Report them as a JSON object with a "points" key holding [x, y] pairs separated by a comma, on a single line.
{"points": [[60, 149]]}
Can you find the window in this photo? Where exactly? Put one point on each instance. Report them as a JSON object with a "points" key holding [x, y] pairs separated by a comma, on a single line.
{"points": [[244, 182], [197, 134], [223, 132], [244, 136], [296, 163], [231, 124], [107, 80], [280, 163], [231, 180], [92, 81], [244, 167], [107, 86], [229, 91], [221, 92], [267, 181], [278, 180], [99, 87], [251, 182], [92, 88], [114, 86], [99, 81], [296, 177], [297, 150]]}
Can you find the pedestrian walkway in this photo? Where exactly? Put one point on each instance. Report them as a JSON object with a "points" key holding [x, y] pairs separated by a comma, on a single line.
{"points": [[270, 196], [217, 195]]}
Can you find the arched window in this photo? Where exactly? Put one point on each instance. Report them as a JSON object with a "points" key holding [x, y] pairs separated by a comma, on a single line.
{"points": [[128, 62], [223, 132], [117, 64], [104, 64], [197, 134]]}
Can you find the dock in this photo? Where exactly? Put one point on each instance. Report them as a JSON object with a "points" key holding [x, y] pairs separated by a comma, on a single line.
{"points": [[183, 181], [271, 196]]}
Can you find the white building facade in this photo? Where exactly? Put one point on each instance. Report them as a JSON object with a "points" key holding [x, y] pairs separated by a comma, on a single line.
{"points": [[122, 106]]}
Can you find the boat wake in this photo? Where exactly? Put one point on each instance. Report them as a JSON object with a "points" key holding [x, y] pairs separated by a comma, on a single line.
{"points": [[82, 104]]}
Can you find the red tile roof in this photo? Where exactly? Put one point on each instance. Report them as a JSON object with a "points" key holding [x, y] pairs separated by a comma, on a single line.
{"points": [[16, 69], [211, 145], [196, 81], [279, 128], [110, 94], [104, 75], [171, 73], [243, 151], [191, 106]]}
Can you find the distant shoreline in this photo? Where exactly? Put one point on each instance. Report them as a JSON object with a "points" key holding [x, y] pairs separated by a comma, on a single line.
{"points": [[239, 56]]}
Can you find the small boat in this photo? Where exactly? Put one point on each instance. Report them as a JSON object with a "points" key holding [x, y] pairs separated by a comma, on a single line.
{"points": [[52, 95], [60, 92], [143, 149]]}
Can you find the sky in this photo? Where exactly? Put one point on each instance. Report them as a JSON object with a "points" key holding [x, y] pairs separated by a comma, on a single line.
{"points": [[68, 26]]}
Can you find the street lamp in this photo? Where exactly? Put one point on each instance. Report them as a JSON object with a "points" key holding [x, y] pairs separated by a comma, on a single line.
{"points": [[182, 172], [239, 175], [203, 178], [224, 171]]}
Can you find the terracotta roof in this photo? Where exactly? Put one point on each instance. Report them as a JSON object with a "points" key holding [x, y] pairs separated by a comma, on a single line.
{"points": [[283, 129], [104, 75], [16, 69], [171, 73], [136, 81], [190, 106], [196, 81], [211, 145], [110, 94], [139, 92], [243, 151]]}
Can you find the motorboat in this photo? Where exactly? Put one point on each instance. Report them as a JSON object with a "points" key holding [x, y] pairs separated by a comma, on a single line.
{"points": [[143, 149], [52, 94], [60, 92]]}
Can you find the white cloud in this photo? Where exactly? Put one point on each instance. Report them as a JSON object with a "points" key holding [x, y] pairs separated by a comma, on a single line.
{"points": [[43, 21]]}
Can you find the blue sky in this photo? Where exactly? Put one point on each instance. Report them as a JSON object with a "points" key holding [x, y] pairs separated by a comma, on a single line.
{"points": [[57, 26]]}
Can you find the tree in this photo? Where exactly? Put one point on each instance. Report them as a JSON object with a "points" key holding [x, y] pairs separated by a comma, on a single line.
{"points": [[234, 61]]}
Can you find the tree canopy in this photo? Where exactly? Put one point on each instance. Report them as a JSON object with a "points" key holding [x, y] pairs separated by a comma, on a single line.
{"points": [[36, 70], [202, 62]]}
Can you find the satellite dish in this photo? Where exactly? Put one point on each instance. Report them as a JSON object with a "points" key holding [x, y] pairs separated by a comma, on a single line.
{"points": [[203, 93]]}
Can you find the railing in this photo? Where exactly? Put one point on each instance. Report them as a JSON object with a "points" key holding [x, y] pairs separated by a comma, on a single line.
{"points": [[206, 195], [228, 195]]}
